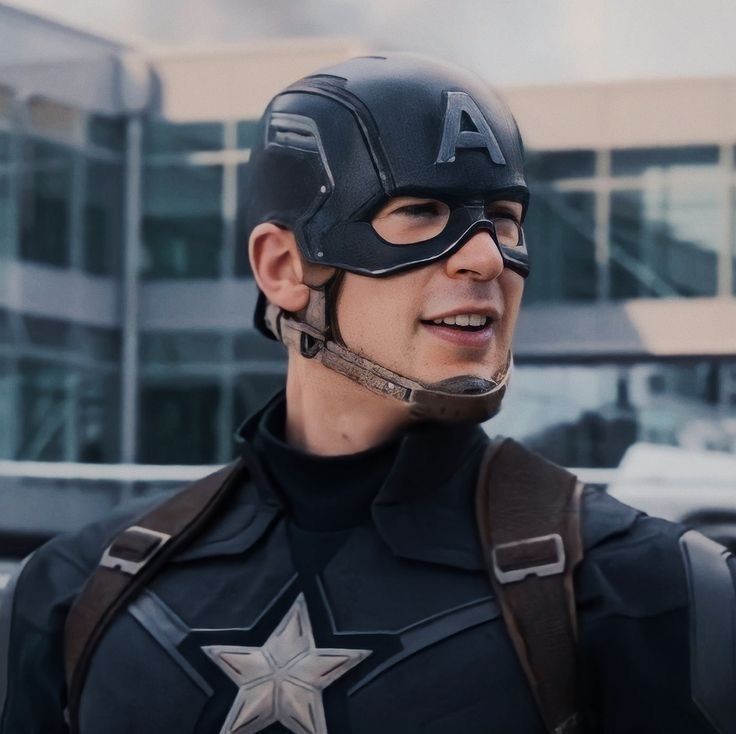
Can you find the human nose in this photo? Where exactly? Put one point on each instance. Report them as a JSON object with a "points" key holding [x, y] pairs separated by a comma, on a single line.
{"points": [[479, 259]]}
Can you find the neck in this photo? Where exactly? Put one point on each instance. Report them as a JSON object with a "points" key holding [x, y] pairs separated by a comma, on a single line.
{"points": [[327, 414]]}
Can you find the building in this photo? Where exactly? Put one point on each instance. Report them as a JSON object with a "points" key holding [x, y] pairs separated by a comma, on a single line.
{"points": [[126, 298]]}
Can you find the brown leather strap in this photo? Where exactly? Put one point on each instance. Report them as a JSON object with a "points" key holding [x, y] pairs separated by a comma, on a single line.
{"points": [[528, 517], [132, 559]]}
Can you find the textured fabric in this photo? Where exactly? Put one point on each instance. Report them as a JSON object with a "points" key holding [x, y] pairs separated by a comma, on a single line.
{"points": [[407, 583]]}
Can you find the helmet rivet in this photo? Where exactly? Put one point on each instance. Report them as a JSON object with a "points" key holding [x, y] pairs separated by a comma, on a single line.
{"points": [[323, 189], [320, 254], [390, 385]]}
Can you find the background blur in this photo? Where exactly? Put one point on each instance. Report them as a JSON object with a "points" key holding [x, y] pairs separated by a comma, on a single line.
{"points": [[125, 292]]}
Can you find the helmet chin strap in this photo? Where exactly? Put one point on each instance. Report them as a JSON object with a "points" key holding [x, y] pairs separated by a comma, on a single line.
{"points": [[457, 399]]}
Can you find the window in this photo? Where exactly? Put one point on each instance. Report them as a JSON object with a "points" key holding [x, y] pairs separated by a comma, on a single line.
{"points": [[182, 221], [252, 346], [106, 132], [4, 146], [665, 227], [179, 423], [51, 333], [253, 390], [46, 186], [664, 239], [548, 166], [8, 395], [166, 137], [103, 218], [559, 231], [6, 102], [242, 262], [7, 244], [43, 410], [181, 348], [637, 161], [247, 131]]}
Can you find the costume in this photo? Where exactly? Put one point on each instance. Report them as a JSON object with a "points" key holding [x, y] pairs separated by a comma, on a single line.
{"points": [[392, 587], [349, 594]]}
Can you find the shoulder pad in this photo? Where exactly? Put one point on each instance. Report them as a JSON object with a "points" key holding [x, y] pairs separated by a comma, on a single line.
{"points": [[604, 516], [710, 581]]}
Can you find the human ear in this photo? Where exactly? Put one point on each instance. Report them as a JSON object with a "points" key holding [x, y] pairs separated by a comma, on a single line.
{"points": [[277, 266]]}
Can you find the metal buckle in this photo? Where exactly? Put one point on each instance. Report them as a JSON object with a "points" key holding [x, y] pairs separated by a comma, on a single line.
{"points": [[109, 560], [569, 726], [545, 569]]}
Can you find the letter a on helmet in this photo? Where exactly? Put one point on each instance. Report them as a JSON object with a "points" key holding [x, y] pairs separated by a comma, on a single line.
{"points": [[454, 137]]}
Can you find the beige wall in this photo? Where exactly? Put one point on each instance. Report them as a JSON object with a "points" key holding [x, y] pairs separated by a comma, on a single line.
{"points": [[224, 84], [626, 114]]}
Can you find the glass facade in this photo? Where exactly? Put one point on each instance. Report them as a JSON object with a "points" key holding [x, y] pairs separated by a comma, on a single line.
{"points": [[628, 223], [190, 198], [182, 222], [559, 231], [59, 390], [162, 138], [102, 229], [197, 387], [666, 222], [46, 203], [603, 225], [61, 207]]}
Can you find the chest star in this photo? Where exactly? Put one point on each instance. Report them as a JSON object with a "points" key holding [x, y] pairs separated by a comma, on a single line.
{"points": [[282, 680]]}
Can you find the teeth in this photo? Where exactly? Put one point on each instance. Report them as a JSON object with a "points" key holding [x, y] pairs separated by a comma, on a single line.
{"points": [[465, 319]]}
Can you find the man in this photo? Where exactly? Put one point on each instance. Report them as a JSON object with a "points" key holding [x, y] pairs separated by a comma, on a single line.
{"points": [[336, 580]]}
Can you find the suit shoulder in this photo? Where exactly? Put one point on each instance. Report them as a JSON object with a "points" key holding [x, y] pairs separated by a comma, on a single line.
{"points": [[633, 563]]}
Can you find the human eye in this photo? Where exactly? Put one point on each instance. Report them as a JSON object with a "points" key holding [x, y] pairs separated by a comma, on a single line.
{"points": [[495, 212], [508, 230], [423, 210], [408, 220]]}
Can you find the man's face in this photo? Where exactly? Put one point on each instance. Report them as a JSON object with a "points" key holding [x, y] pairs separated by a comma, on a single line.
{"points": [[449, 318]]}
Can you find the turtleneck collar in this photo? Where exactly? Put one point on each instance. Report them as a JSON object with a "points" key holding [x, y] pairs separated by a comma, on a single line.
{"points": [[422, 493], [320, 493]]}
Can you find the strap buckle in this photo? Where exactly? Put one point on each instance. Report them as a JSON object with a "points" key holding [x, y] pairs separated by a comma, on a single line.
{"points": [[130, 554], [509, 558], [569, 726]]}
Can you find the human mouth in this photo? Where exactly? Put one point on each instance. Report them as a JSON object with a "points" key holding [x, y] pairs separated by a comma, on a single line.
{"points": [[465, 321], [474, 330]]}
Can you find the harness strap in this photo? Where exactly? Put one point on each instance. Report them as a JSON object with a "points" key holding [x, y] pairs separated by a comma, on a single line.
{"points": [[529, 521], [133, 558]]}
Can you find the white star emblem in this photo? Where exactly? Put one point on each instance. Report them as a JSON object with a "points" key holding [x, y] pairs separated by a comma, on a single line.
{"points": [[283, 680]]}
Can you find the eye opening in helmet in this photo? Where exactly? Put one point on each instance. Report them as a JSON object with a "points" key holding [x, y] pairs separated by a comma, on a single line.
{"points": [[414, 220]]}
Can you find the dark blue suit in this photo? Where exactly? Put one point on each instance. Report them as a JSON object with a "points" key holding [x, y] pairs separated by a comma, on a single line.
{"points": [[407, 584]]}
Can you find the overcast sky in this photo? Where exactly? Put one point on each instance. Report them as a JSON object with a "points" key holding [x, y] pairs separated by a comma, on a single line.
{"points": [[511, 42]]}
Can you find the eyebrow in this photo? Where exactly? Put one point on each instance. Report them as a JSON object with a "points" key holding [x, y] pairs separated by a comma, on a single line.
{"points": [[509, 207]]}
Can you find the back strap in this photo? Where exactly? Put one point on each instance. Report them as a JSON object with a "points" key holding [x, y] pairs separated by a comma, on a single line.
{"points": [[528, 517], [133, 558]]}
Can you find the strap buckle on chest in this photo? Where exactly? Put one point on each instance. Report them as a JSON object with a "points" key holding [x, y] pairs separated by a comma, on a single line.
{"points": [[133, 549], [540, 556]]}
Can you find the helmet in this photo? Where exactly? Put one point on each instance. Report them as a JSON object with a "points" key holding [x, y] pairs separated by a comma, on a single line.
{"points": [[333, 147]]}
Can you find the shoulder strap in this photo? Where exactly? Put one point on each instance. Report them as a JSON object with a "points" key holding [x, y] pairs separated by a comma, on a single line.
{"points": [[528, 517], [133, 558]]}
